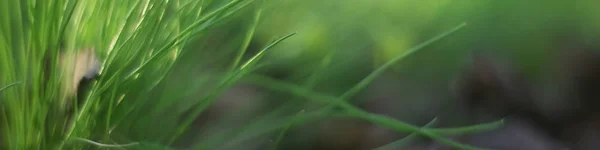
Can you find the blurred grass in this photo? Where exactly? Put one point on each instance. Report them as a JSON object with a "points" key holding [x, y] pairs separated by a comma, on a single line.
{"points": [[406, 141], [166, 62]]}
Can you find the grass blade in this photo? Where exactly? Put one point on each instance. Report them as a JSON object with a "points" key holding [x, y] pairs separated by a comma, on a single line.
{"points": [[207, 100], [9, 85], [356, 112], [106, 145], [367, 80], [282, 133], [399, 144], [183, 34], [248, 37]]}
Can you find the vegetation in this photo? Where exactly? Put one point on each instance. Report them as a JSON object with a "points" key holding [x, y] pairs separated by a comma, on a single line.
{"points": [[166, 62]]}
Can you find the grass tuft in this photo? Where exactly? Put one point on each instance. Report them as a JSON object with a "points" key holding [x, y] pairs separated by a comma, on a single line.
{"points": [[139, 44]]}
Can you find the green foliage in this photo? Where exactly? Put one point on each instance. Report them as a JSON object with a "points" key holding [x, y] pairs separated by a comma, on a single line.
{"points": [[139, 41], [130, 105]]}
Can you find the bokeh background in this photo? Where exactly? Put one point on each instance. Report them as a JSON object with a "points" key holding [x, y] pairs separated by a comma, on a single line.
{"points": [[356, 36]]}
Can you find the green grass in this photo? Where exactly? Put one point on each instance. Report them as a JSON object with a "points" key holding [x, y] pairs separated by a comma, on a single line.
{"points": [[139, 43], [404, 142]]}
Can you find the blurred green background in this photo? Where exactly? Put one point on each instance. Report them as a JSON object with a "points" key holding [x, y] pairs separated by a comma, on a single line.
{"points": [[356, 36]]}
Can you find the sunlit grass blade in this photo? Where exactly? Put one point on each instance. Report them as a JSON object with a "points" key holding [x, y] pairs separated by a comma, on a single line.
{"points": [[248, 37], [105, 145], [261, 53], [184, 33]]}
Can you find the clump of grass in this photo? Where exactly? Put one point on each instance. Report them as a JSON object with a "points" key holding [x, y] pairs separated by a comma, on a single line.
{"points": [[139, 42]]}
